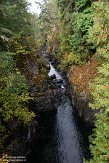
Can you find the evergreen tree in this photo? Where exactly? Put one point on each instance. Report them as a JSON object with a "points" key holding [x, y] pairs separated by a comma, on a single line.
{"points": [[16, 39], [99, 36]]}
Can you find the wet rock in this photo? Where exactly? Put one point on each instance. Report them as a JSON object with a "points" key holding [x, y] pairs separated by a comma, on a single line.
{"points": [[48, 67], [57, 81], [81, 107], [52, 77], [50, 100], [21, 138]]}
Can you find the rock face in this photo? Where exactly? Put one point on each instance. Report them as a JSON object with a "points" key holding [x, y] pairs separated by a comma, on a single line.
{"points": [[80, 78], [81, 107], [52, 77], [20, 138], [46, 91], [49, 98]]}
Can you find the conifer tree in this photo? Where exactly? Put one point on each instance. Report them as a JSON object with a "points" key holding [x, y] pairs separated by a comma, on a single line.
{"points": [[99, 36]]}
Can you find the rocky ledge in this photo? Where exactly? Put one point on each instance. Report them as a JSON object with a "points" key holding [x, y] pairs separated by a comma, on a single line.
{"points": [[50, 97], [81, 107]]}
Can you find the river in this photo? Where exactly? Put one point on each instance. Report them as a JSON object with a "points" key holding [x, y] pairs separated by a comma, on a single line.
{"points": [[63, 138]]}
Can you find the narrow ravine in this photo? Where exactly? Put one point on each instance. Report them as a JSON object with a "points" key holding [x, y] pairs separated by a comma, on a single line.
{"points": [[61, 139]]}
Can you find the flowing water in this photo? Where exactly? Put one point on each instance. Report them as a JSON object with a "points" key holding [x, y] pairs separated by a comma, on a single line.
{"points": [[54, 71], [62, 137]]}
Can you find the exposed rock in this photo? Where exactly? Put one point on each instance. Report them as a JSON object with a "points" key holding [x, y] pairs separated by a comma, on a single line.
{"points": [[81, 107], [57, 81], [80, 77], [49, 100], [20, 139], [52, 77], [48, 67]]}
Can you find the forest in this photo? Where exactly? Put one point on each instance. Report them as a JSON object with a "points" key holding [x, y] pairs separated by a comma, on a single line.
{"points": [[76, 35]]}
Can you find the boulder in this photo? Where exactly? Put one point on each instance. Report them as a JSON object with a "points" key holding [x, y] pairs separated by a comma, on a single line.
{"points": [[52, 77]]}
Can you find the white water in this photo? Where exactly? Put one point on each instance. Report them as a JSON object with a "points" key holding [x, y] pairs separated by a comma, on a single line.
{"points": [[54, 71]]}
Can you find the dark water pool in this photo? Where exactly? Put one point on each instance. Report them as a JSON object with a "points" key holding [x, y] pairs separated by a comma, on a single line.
{"points": [[62, 138]]}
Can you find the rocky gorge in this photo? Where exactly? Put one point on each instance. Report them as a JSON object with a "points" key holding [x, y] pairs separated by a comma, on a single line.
{"points": [[46, 98], [56, 117], [47, 88], [46, 93], [78, 92]]}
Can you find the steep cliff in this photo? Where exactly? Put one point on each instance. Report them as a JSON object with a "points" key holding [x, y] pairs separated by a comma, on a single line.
{"points": [[80, 78]]}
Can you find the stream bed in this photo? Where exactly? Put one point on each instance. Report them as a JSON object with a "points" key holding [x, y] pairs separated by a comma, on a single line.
{"points": [[63, 138]]}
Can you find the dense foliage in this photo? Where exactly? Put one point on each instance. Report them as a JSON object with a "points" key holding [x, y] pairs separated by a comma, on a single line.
{"points": [[76, 18], [99, 36], [16, 39]]}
